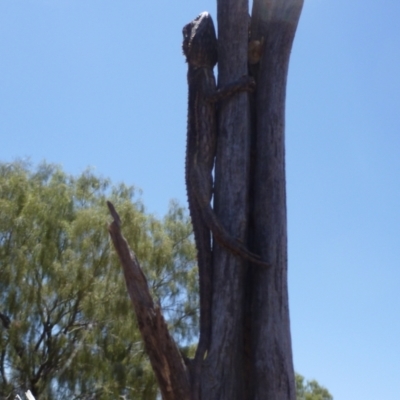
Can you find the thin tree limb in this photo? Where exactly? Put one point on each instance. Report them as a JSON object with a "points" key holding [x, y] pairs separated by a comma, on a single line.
{"points": [[165, 358]]}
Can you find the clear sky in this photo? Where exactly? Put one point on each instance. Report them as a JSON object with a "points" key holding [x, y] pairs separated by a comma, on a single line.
{"points": [[103, 84]]}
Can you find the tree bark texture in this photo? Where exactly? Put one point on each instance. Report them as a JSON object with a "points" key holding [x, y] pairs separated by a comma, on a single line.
{"points": [[250, 355], [223, 369], [271, 376], [165, 358]]}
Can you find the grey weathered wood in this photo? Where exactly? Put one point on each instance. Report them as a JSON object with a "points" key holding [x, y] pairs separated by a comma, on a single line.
{"points": [[223, 370], [271, 376], [250, 356], [164, 355]]}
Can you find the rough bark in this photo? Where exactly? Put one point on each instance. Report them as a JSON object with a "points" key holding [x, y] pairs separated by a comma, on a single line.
{"points": [[223, 370], [250, 355], [271, 374], [165, 358]]}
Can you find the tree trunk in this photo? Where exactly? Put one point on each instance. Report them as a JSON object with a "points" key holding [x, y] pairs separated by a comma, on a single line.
{"points": [[272, 375], [250, 356], [223, 370]]}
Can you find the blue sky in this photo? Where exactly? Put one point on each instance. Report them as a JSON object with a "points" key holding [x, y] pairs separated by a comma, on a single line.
{"points": [[103, 84]]}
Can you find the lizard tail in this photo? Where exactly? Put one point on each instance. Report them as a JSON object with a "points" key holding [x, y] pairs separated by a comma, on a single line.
{"points": [[221, 235]]}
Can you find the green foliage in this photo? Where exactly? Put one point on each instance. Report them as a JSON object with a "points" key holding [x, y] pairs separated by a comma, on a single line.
{"points": [[67, 328], [310, 390]]}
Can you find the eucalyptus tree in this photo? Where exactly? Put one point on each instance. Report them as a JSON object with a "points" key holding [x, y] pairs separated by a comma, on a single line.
{"points": [[310, 390], [66, 325]]}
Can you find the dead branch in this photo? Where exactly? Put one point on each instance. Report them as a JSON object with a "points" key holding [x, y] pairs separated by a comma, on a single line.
{"points": [[165, 358]]}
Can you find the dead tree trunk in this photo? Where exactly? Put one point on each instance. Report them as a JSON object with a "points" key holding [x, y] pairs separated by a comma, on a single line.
{"points": [[250, 356], [223, 371], [272, 375]]}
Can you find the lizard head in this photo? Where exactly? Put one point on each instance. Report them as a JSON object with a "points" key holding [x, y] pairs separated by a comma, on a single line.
{"points": [[200, 42]]}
